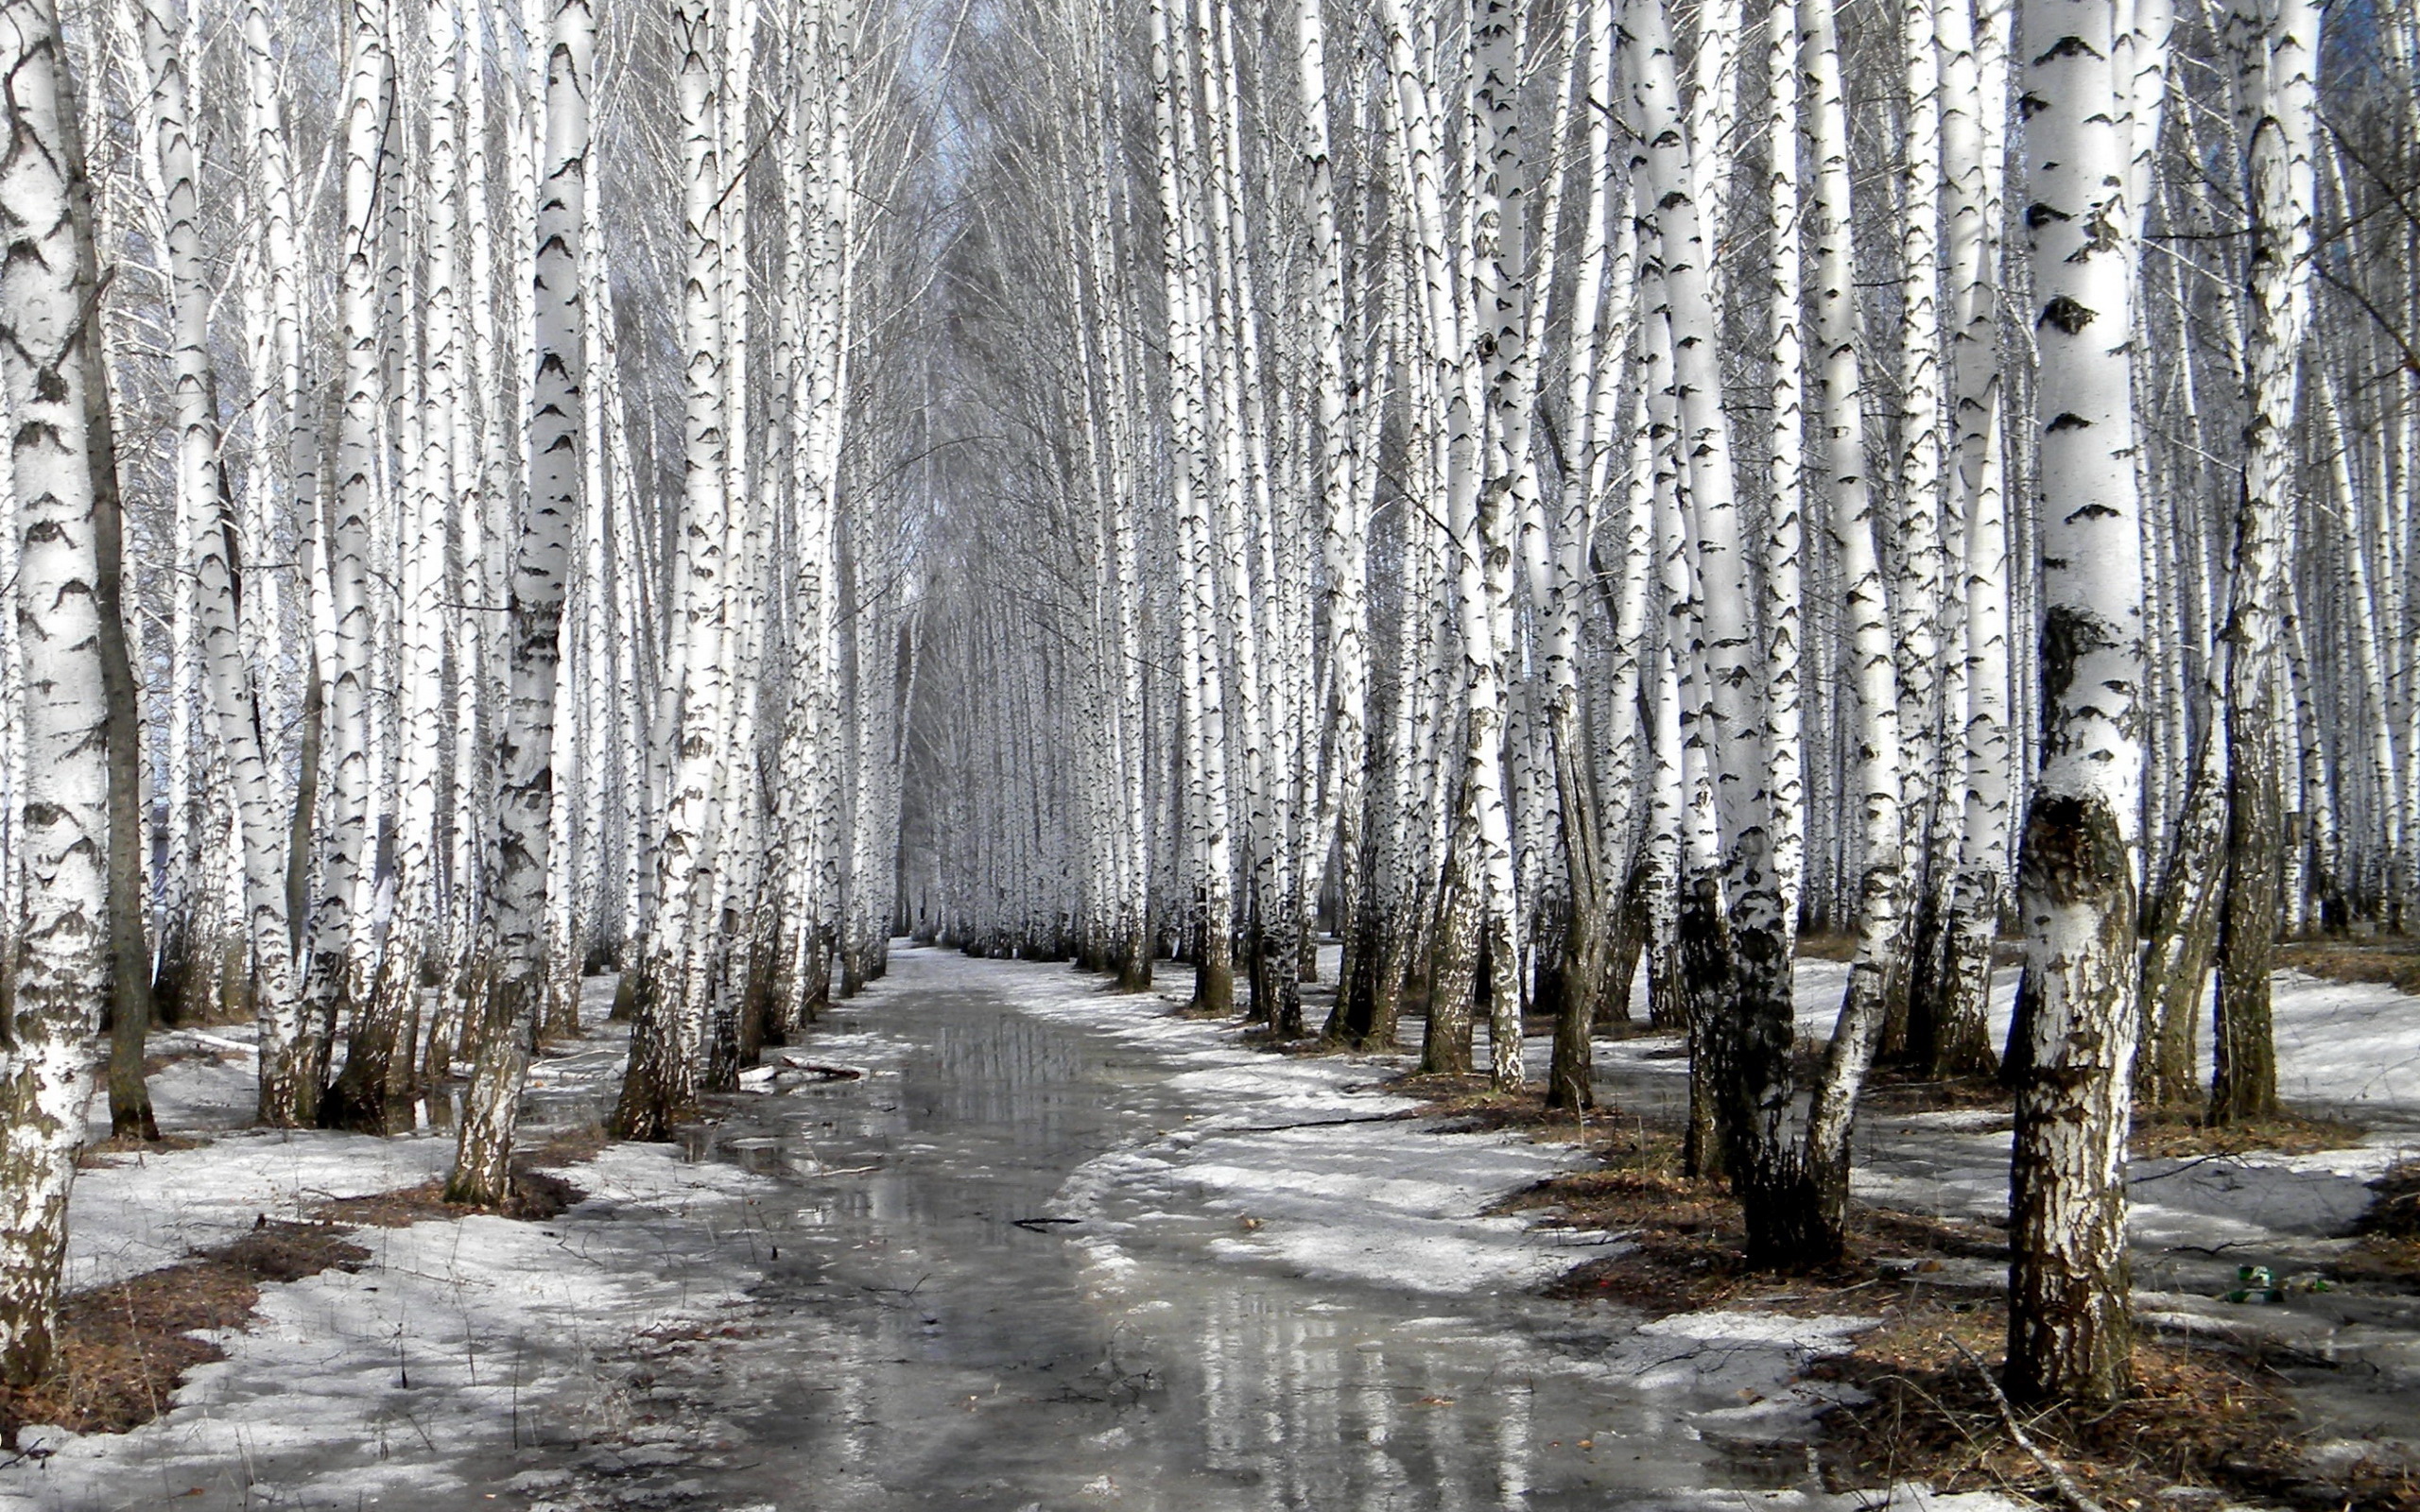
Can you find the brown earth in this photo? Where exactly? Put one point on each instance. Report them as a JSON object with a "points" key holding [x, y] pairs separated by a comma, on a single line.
{"points": [[536, 1197], [2197, 1419], [123, 1348]]}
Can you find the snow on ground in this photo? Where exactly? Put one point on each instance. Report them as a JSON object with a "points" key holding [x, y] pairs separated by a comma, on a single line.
{"points": [[2348, 1045], [2351, 1050], [1724, 1350], [142, 1212], [465, 1339], [459, 1341], [1308, 1162], [419, 1374]]}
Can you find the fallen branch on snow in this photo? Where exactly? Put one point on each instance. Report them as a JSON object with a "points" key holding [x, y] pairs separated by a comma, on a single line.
{"points": [[827, 1072]]}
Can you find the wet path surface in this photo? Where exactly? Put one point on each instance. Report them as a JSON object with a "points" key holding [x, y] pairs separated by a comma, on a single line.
{"points": [[939, 1330], [1061, 1250]]}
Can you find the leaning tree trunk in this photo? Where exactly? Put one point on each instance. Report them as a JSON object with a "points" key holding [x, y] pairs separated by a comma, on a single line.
{"points": [[2068, 1324], [227, 670], [59, 439], [660, 1084], [2181, 919], [482, 1162], [1802, 1214], [2278, 59], [338, 924]]}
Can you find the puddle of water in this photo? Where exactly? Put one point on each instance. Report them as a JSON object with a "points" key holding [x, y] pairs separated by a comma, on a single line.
{"points": [[930, 1337]]}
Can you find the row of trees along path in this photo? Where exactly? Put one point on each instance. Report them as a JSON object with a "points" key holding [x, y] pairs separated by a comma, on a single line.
{"points": [[1559, 490]]}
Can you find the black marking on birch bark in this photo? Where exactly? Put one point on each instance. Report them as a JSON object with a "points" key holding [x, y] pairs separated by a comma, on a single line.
{"points": [[2103, 231], [2072, 846], [2068, 635], [2068, 47], [2067, 315]]}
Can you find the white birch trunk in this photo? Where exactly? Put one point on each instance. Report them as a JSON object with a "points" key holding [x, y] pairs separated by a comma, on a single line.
{"points": [[482, 1172], [2277, 50], [1755, 1038], [50, 362], [340, 921], [2069, 1332], [667, 1040]]}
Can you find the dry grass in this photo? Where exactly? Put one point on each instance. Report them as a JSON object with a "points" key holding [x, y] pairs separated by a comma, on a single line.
{"points": [[1889, 1090], [113, 1150], [1470, 1096], [537, 1193], [1309, 1046], [2170, 1134], [122, 1348], [1468, 1104], [2396, 1211], [2197, 1419], [2387, 1249], [568, 1146], [2381, 1261], [536, 1197], [2394, 963], [1688, 1247]]}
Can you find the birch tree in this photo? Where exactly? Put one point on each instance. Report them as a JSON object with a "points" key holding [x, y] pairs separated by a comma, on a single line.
{"points": [[58, 449], [667, 1038], [340, 949], [2069, 1330], [215, 556], [2277, 51], [482, 1165]]}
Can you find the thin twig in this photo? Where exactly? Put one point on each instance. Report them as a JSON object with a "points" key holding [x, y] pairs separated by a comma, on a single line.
{"points": [[2058, 1472]]}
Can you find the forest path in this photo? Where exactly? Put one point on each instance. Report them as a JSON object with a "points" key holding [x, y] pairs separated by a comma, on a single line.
{"points": [[1061, 1250]]}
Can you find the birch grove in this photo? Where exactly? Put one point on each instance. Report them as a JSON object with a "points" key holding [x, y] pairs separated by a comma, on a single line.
{"points": [[1576, 506]]}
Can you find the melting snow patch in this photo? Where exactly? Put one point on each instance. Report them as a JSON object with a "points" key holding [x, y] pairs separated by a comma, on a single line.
{"points": [[459, 1339], [143, 1212], [1958, 1120], [1731, 1352]]}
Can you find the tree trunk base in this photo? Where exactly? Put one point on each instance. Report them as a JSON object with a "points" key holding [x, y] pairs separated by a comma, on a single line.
{"points": [[1798, 1216]]}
